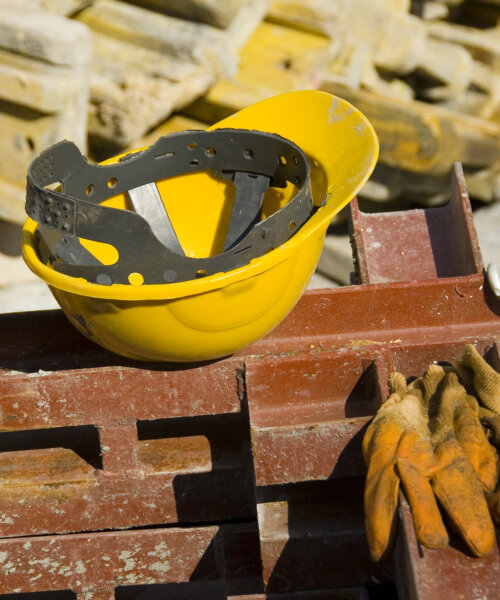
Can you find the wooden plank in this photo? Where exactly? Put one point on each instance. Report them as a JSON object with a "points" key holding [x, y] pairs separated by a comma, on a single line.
{"points": [[102, 561], [213, 12], [146, 65], [423, 138], [275, 59], [44, 68]]}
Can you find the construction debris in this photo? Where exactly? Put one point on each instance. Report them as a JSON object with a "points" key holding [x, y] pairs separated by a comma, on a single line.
{"points": [[44, 92], [430, 87], [145, 64], [426, 73]]}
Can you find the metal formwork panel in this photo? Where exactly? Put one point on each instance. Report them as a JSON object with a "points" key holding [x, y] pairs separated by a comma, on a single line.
{"points": [[100, 562], [258, 454], [426, 574], [420, 244], [304, 408], [140, 447]]}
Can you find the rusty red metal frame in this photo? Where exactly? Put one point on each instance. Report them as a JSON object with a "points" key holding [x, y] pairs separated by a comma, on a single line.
{"points": [[247, 471]]}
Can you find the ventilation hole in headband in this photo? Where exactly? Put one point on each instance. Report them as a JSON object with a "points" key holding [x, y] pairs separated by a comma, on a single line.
{"points": [[89, 190], [170, 276], [103, 279], [194, 163], [112, 182], [106, 254], [282, 160], [192, 146], [135, 279], [248, 153], [291, 225], [55, 185], [295, 160], [210, 152], [201, 273]]}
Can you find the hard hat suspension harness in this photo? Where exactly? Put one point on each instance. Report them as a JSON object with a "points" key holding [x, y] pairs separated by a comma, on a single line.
{"points": [[145, 238]]}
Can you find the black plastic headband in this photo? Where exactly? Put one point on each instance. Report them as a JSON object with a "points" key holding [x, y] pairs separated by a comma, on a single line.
{"points": [[75, 212]]}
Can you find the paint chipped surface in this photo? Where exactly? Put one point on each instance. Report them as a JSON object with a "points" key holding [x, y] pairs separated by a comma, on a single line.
{"points": [[335, 111], [360, 128], [86, 562], [80, 567], [161, 566], [380, 308], [55, 490], [126, 557], [161, 551], [6, 519]]}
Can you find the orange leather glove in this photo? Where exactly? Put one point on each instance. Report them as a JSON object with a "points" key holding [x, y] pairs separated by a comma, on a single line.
{"points": [[428, 437], [491, 423], [486, 384], [486, 381]]}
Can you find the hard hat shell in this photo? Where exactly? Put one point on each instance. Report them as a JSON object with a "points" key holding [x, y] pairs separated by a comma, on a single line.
{"points": [[214, 316]]}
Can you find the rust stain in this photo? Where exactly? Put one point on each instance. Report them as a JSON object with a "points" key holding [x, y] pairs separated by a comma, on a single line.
{"points": [[190, 454], [304, 407], [368, 342], [49, 467]]}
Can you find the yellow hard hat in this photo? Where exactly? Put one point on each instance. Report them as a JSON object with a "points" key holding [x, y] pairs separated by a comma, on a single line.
{"points": [[222, 232]]}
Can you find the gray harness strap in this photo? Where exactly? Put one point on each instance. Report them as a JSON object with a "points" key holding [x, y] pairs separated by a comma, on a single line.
{"points": [[145, 239]]}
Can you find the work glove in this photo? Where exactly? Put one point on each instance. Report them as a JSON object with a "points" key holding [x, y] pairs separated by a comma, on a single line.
{"points": [[485, 380], [428, 437], [486, 384], [491, 424]]}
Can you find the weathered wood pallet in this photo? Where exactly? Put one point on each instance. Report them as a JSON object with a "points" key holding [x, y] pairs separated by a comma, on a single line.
{"points": [[146, 65], [44, 70]]}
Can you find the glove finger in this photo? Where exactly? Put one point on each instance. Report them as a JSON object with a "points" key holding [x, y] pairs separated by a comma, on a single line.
{"points": [[377, 429], [431, 380], [486, 379], [427, 520], [449, 394], [471, 437], [381, 500], [381, 487], [416, 388], [397, 383], [457, 486]]}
